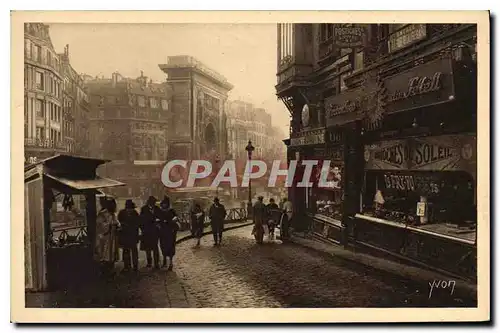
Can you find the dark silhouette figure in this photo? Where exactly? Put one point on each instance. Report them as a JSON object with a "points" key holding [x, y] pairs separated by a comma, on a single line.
{"points": [[150, 226], [129, 235], [217, 215]]}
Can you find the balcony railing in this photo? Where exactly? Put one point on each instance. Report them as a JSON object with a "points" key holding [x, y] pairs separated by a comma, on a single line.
{"points": [[44, 143]]}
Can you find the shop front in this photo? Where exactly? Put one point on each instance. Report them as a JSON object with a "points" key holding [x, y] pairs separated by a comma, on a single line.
{"points": [[305, 145], [342, 115], [418, 200]]}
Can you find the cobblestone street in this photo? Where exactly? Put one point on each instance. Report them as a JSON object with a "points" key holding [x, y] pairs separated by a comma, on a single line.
{"points": [[243, 274]]}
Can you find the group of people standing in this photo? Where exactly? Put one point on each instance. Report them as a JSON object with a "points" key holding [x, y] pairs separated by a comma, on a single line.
{"points": [[267, 217], [155, 228]]}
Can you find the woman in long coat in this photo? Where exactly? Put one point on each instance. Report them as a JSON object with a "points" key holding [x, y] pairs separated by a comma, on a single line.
{"points": [[168, 232], [107, 226]]}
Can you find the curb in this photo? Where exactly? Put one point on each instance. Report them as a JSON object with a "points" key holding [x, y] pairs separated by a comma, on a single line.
{"points": [[463, 288], [188, 237]]}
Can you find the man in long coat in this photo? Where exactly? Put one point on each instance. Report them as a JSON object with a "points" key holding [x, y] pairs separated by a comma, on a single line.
{"points": [[259, 219], [217, 216], [129, 235], [150, 226]]}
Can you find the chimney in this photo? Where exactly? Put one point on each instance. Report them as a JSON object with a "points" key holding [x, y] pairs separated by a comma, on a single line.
{"points": [[66, 50]]}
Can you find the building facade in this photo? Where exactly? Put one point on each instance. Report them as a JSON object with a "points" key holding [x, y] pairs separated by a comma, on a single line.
{"points": [[393, 107], [129, 125], [43, 95], [76, 108]]}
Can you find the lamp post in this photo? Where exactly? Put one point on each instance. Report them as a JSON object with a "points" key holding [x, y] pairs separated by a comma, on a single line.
{"points": [[249, 148], [217, 161]]}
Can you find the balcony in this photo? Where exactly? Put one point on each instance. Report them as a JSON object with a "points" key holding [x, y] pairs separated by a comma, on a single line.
{"points": [[44, 143]]}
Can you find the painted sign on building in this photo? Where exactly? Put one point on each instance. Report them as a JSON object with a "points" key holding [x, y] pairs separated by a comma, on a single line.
{"points": [[421, 86], [349, 36], [308, 138], [344, 108], [408, 35]]}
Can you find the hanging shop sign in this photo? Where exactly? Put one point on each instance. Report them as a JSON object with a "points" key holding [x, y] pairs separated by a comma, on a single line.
{"points": [[313, 137], [349, 36], [343, 108], [439, 153], [424, 85]]}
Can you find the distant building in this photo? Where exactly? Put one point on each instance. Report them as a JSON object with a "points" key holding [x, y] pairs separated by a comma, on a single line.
{"points": [[43, 95], [76, 108], [199, 96], [129, 125]]}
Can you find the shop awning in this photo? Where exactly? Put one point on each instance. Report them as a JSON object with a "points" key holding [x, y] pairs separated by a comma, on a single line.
{"points": [[86, 184]]}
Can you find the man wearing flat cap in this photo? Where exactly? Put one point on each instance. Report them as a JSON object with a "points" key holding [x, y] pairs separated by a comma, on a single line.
{"points": [[150, 226], [129, 235]]}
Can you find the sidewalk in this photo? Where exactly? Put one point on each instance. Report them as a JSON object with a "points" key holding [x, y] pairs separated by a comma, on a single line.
{"points": [[145, 289], [414, 274]]}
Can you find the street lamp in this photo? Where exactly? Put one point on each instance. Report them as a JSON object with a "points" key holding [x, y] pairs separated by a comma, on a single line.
{"points": [[217, 161], [249, 148]]}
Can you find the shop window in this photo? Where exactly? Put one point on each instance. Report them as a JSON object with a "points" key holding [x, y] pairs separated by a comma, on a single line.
{"points": [[446, 197]]}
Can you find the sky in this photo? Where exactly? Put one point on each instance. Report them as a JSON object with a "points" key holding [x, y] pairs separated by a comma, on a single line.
{"points": [[244, 53]]}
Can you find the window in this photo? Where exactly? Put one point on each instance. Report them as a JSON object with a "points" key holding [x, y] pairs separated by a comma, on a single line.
{"points": [[359, 60], [39, 108], [37, 50], [164, 104], [101, 128], [141, 101], [40, 133], [49, 58], [286, 42], [39, 80], [325, 32], [27, 48], [153, 102]]}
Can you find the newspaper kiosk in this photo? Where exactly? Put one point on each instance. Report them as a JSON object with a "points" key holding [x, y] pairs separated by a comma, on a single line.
{"points": [[49, 264]]}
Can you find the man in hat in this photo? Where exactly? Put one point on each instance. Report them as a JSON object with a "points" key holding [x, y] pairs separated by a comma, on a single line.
{"points": [[129, 234], [150, 226], [259, 219], [217, 216]]}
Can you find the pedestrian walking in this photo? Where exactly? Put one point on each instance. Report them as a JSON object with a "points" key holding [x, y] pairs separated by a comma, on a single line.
{"points": [[150, 227], [286, 219], [274, 215], [197, 222], [129, 235], [107, 226], [168, 232], [259, 220], [217, 215]]}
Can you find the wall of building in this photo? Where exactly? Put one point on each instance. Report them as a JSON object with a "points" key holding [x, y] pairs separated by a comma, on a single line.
{"points": [[129, 125], [43, 95]]}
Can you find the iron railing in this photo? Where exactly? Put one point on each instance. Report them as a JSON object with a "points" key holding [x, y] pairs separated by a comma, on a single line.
{"points": [[61, 237]]}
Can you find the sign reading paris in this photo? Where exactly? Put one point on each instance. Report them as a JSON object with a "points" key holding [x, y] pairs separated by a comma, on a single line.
{"points": [[352, 36]]}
